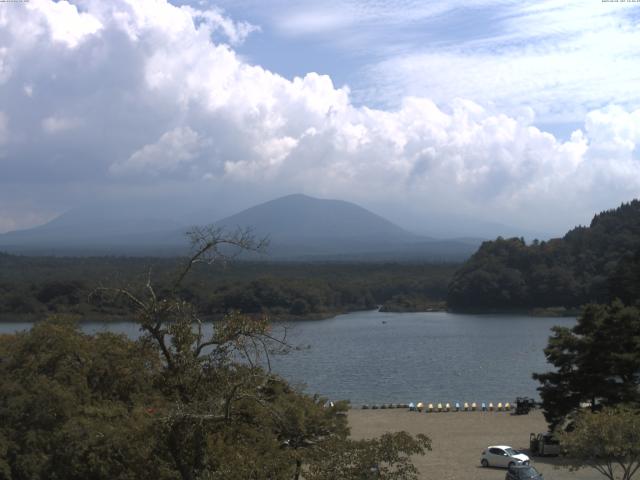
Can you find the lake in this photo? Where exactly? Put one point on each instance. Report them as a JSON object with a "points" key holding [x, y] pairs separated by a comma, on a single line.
{"points": [[373, 357]]}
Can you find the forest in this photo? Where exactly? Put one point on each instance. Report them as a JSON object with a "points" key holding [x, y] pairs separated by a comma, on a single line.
{"points": [[36, 286], [589, 264]]}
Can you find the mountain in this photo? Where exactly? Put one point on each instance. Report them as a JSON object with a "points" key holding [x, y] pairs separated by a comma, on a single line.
{"points": [[589, 264], [97, 231], [302, 217], [303, 227], [299, 228]]}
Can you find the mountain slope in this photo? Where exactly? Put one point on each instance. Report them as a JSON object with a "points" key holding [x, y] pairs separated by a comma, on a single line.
{"points": [[569, 271], [306, 228], [319, 225], [303, 217]]}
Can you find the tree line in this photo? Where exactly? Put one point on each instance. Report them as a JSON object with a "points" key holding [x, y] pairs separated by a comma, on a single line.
{"points": [[592, 264], [39, 286]]}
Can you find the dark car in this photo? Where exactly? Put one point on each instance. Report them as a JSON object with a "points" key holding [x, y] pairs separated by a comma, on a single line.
{"points": [[523, 472]]}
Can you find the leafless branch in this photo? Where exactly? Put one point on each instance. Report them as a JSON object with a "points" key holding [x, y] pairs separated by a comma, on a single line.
{"points": [[208, 241]]}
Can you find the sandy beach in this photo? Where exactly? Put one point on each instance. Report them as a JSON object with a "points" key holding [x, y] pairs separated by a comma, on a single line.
{"points": [[459, 438]]}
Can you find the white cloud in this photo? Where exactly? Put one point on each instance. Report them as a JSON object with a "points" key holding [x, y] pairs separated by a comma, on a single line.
{"points": [[562, 58], [315, 21], [4, 128], [160, 99], [137, 17], [5, 70], [66, 24], [171, 154], [304, 18], [236, 32], [59, 123], [614, 131]]}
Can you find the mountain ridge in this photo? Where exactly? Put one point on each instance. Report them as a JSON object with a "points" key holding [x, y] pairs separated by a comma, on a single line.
{"points": [[299, 226]]}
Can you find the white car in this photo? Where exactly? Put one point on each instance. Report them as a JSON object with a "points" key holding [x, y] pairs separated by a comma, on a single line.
{"points": [[502, 456]]}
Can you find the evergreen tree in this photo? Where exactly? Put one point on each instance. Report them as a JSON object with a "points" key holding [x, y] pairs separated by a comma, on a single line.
{"points": [[589, 264], [597, 362]]}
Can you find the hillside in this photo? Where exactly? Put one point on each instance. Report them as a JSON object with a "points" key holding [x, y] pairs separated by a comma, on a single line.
{"points": [[588, 264]]}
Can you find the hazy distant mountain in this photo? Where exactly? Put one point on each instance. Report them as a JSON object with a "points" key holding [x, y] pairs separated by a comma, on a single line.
{"points": [[299, 227], [96, 231], [464, 226], [301, 217]]}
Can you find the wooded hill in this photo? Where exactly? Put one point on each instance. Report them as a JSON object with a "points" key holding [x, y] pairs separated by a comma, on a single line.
{"points": [[589, 264]]}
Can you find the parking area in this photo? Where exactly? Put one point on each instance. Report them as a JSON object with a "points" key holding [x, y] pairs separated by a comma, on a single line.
{"points": [[459, 438]]}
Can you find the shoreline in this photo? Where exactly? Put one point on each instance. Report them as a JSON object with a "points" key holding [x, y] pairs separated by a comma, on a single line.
{"points": [[557, 312]]}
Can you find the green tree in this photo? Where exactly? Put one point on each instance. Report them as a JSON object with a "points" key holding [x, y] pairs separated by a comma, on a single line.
{"points": [[597, 362], [588, 264], [607, 441], [624, 282], [188, 400], [74, 406], [213, 400], [384, 458]]}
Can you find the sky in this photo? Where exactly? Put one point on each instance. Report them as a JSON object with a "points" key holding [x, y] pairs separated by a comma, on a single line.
{"points": [[524, 113]]}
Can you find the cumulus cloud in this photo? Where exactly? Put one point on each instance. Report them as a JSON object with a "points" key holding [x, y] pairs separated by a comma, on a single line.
{"points": [[171, 154], [64, 22], [235, 32], [161, 97]]}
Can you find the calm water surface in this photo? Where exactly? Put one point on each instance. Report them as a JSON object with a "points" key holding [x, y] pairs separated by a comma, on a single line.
{"points": [[374, 358]]}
